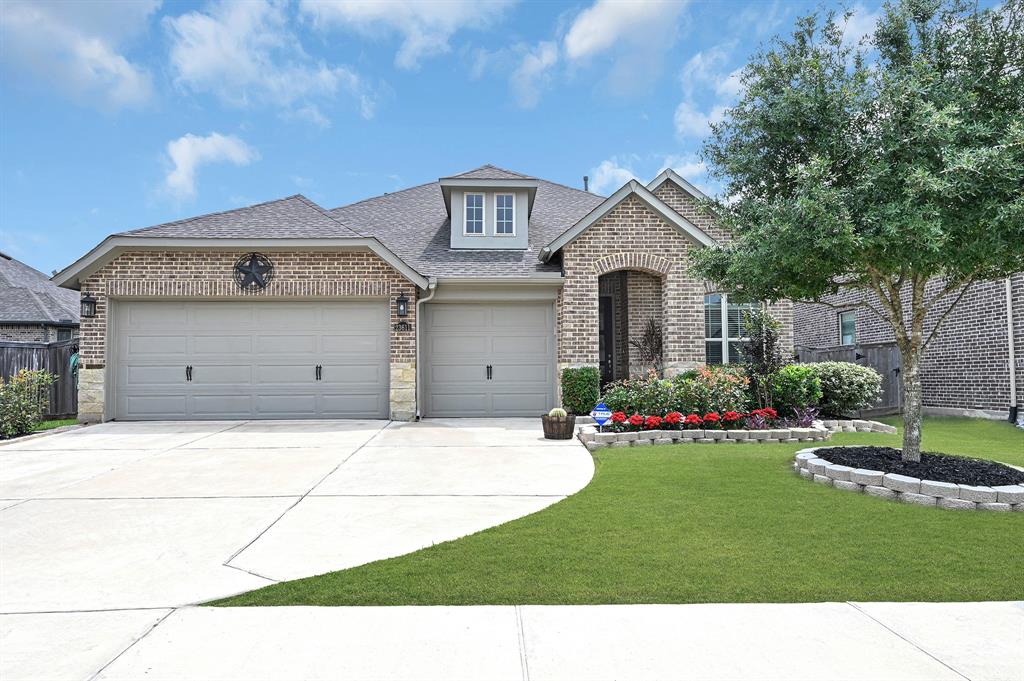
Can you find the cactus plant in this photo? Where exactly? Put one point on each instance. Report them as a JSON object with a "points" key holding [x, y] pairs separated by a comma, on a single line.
{"points": [[557, 413]]}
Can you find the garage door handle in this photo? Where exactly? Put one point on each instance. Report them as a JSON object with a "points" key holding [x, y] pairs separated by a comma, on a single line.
{"points": [[188, 372], [319, 371], [490, 372]]}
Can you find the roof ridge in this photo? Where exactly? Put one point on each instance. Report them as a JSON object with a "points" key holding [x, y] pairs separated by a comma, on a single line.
{"points": [[42, 308], [381, 196], [323, 211], [185, 221]]}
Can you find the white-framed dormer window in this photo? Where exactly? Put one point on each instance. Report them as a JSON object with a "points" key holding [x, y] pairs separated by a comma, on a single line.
{"points": [[474, 215], [848, 327], [505, 214], [724, 334]]}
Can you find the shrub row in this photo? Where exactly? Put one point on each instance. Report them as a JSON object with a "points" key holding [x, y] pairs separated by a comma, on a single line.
{"points": [[22, 398]]}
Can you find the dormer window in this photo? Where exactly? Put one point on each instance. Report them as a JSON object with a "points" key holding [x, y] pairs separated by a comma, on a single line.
{"points": [[504, 214], [474, 214]]}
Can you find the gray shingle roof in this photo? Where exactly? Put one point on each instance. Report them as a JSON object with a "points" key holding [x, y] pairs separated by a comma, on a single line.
{"points": [[489, 172], [414, 224], [28, 295], [295, 217]]}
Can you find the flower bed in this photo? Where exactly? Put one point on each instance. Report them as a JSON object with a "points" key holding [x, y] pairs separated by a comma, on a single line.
{"points": [[905, 488], [594, 440]]}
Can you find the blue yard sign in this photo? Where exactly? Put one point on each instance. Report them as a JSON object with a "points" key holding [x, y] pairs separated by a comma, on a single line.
{"points": [[601, 414]]}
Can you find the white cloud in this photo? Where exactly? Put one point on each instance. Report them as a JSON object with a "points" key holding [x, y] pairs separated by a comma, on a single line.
{"points": [[74, 48], [426, 26], [689, 166], [532, 74], [611, 174], [691, 122], [245, 53], [635, 34], [860, 24], [188, 152]]}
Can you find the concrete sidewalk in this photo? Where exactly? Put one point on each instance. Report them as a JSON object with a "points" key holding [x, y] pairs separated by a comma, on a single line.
{"points": [[814, 641]]}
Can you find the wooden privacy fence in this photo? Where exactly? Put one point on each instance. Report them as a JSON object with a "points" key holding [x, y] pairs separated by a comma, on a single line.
{"points": [[882, 357], [52, 357]]}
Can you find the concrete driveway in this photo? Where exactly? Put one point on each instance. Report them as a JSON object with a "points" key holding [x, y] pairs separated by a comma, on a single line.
{"points": [[139, 517]]}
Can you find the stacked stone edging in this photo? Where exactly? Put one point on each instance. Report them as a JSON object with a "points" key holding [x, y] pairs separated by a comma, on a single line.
{"points": [[595, 440], [907, 489], [857, 426]]}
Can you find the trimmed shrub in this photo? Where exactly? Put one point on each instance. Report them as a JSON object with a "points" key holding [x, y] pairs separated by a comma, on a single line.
{"points": [[710, 389], [22, 398], [846, 387], [581, 389], [646, 395], [795, 386]]}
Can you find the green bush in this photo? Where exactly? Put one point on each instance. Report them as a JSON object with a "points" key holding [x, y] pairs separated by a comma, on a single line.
{"points": [[581, 389], [22, 398], [795, 386], [711, 388], [846, 387]]}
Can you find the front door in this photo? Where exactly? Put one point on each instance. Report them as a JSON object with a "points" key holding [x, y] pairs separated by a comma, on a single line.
{"points": [[606, 342]]}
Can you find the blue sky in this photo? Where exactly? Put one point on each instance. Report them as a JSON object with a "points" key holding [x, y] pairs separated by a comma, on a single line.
{"points": [[120, 115]]}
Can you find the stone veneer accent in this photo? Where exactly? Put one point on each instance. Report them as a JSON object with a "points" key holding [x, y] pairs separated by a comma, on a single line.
{"points": [[209, 274], [632, 237], [907, 489]]}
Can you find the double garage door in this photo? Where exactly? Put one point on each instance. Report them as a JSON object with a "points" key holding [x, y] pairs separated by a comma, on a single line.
{"points": [[495, 359], [228, 360]]}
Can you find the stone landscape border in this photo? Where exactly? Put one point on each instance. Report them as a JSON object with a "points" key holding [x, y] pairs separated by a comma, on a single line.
{"points": [[906, 489], [594, 440], [857, 426]]}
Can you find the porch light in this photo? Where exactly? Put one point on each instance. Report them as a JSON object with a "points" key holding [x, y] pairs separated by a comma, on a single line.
{"points": [[88, 306], [402, 303]]}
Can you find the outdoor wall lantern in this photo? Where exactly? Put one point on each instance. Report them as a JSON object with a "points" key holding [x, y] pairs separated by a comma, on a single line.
{"points": [[402, 303], [88, 306]]}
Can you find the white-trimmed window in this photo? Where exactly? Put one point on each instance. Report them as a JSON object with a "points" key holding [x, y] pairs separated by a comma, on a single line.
{"points": [[724, 335], [848, 327], [505, 214], [474, 215]]}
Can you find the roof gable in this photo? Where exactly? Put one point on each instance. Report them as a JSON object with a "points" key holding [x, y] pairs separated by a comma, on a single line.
{"points": [[670, 175], [489, 172], [631, 188]]}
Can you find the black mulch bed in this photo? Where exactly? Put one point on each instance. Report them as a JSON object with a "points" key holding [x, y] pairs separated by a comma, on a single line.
{"points": [[938, 467]]}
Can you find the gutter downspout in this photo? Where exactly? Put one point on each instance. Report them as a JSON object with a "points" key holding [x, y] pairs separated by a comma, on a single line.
{"points": [[432, 288], [1014, 408]]}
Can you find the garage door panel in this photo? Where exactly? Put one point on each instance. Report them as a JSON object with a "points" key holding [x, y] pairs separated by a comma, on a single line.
{"points": [[251, 359], [519, 345], [215, 405], [290, 344], [157, 406], [142, 376], [520, 373], [522, 317], [457, 373], [460, 403], [458, 317], [218, 345], [459, 346], [531, 403]]}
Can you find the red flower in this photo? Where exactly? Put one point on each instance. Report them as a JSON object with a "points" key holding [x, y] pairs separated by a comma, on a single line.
{"points": [[618, 417], [636, 420], [770, 413], [673, 417], [712, 419], [652, 422], [693, 420], [731, 416]]}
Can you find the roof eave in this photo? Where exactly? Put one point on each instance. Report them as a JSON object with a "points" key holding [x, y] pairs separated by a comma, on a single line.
{"points": [[71, 277]]}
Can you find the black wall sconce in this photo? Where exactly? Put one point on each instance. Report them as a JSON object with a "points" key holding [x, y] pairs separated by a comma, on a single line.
{"points": [[88, 306], [402, 304]]}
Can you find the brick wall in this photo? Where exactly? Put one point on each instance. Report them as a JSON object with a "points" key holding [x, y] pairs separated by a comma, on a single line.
{"points": [[26, 333], [644, 296], [967, 364], [209, 274]]}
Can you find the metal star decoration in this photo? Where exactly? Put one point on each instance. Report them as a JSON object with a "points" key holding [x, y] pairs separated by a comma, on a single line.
{"points": [[253, 271]]}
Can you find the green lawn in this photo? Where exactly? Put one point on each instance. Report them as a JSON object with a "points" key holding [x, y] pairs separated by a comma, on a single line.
{"points": [[56, 423], [700, 523]]}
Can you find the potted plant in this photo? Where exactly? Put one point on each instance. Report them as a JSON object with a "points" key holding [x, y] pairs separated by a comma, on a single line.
{"points": [[558, 425]]}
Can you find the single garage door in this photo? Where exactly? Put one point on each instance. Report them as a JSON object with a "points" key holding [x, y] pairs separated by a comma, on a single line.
{"points": [[495, 359], [250, 360]]}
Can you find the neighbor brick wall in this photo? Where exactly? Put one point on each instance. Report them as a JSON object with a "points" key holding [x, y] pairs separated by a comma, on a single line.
{"points": [[967, 364], [25, 333], [209, 274]]}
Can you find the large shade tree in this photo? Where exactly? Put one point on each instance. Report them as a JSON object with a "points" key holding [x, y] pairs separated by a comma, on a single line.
{"points": [[892, 168]]}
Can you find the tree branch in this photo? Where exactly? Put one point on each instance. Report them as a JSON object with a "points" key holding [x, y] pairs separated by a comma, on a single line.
{"points": [[945, 314]]}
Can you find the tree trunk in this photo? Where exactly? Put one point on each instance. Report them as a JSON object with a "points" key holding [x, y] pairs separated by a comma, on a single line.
{"points": [[911, 358]]}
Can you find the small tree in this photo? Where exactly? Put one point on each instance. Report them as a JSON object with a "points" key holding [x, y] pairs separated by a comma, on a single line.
{"points": [[762, 357], [893, 169]]}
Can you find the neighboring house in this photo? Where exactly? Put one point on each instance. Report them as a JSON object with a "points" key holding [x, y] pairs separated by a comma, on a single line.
{"points": [[32, 308], [966, 368], [461, 297]]}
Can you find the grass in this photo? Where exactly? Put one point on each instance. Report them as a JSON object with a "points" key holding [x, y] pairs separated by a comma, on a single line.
{"points": [[56, 423], [697, 524]]}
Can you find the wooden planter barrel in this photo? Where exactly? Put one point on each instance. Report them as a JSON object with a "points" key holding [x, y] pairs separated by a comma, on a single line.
{"points": [[559, 427]]}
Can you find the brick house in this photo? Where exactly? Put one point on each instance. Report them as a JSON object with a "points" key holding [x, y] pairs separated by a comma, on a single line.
{"points": [[460, 297], [967, 367], [32, 308]]}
